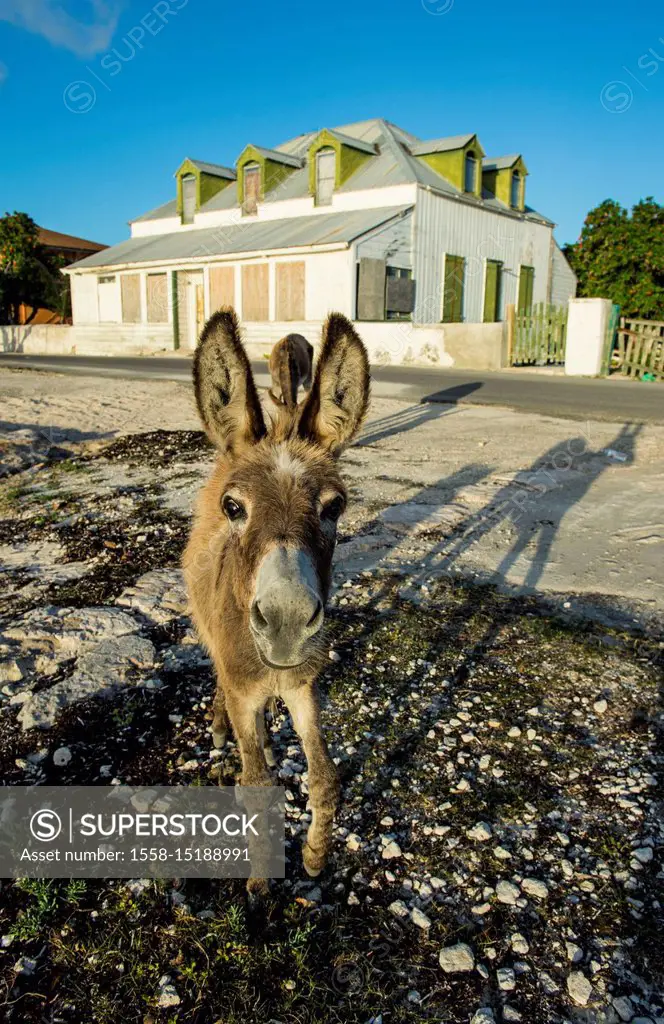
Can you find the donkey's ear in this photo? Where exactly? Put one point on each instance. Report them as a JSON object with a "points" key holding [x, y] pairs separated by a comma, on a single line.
{"points": [[337, 403], [226, 395]]}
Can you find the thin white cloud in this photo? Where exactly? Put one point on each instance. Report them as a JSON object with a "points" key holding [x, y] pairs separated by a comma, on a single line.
{"points": [[51, 19]]}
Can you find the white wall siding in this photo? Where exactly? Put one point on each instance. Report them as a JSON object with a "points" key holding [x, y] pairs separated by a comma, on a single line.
{"points": [[163, 226], [393, 243], [84, 305], [328, 284], [563, 278], [448, 226]]}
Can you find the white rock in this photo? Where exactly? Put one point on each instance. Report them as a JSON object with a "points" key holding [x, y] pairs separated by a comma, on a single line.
{"points": [[457, 959], [25, 965], [398, 908], [481, 832], [506, 979], [501, 853], [624, 1007], [534, 887], [507, 893], [644, 855], [353, 842], [391, 851], [548, 984], [519, 943], [510, 1013], [574, 952], [579, 988], [419, 919], [483, 1016], [61, 757], [600, 706], [334, 656], [167, 993]]}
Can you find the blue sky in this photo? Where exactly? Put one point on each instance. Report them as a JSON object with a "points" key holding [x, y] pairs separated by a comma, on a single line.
{"points": [[102, 99]]}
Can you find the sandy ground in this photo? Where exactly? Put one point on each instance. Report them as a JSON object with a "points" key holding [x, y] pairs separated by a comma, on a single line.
{"points": [[533, 502]]}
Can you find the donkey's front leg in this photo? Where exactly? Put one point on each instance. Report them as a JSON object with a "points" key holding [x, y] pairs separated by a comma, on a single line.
{"points": [[323, 780]]}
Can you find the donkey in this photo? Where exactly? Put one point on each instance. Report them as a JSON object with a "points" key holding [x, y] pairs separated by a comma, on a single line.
{"points": [[291, 364], [259, 558]]}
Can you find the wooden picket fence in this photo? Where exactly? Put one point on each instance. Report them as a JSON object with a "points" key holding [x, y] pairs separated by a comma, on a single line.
{"points": [[537, 338], [640, 348]]}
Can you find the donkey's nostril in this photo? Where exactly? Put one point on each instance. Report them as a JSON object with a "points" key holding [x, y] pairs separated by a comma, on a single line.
{"points": [[258, 620], [314, 620]]}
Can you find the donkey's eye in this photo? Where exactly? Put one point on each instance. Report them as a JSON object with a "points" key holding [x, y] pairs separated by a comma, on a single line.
{"points": [[333, 509], [233, 509]]}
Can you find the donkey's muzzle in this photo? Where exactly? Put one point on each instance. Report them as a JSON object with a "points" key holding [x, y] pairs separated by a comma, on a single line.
{"points": [[287, 610]]}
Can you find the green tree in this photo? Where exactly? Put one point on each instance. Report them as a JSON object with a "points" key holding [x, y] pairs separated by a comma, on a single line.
{"points": [[620, 256], [28, 272]]}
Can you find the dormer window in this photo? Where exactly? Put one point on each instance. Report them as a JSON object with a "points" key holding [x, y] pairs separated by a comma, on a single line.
{"points": [[188, 198], [470, 172], [252, 188], [515, 191], [326, 164]]}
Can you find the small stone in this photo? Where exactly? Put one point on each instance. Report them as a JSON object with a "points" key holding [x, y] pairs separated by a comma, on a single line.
{"points": [[334, 656], [624, 1007], [483, 1016], [519, 943], [398, 908], [501, 853], [391, 851], [480, 909], [574, 952], [61, 757], [514, 732], [510, 1013], [600, 706], [506, 979], [548, 984], [579, 988], [352, 901], [644, 855], [167, 993], [535, 888], [457, 959], [353, 842], [480, 832], [419, 919], [25, 965], [507, 893]]}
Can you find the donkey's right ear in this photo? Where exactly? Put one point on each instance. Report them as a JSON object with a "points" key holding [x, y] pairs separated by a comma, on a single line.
{"points": [[226, 394]]}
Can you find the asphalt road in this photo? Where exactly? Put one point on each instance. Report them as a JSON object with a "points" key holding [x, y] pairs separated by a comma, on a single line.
{"points": [[613, 400]]}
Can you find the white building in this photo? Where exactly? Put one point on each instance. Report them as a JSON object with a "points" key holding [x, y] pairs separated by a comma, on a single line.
{"points": [[400, 234]]}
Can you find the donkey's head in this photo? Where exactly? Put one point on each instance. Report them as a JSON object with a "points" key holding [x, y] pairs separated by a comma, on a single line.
{"points": [[272, 504]]}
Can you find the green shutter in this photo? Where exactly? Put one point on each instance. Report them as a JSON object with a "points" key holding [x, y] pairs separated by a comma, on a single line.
{"points": [[492, 291], [453, 290], [526, 283]]}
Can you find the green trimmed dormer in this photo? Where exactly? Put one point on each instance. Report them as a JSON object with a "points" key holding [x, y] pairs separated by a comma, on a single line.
{"points": [[349, 155], [505, 177], [198, 182], [458, 159], [259, 171]]}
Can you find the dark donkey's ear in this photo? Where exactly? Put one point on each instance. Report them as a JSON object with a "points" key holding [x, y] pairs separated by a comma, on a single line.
{"points": [[337, 403], [225, 391]]}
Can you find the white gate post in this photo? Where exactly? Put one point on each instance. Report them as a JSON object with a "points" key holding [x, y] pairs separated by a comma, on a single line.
{"points": [[587, 324]]}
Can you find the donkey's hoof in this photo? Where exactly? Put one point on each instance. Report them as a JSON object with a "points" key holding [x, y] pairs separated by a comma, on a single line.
{"points": [[258, 889], [219, 737], [313, 860]]}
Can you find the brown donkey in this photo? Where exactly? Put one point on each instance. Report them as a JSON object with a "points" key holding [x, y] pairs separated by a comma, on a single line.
{"points": [[259, 559], [291, 364]]}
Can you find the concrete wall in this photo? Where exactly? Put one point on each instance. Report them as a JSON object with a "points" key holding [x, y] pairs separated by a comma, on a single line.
{"points": [[472, 346], [102, 340]]}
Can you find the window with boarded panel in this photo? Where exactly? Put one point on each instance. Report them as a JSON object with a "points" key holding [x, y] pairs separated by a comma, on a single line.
{"points": [[255, 291], [371, 289], [252, 188], [492, 291], [453, 289], [290, 291], [222, 287], [130, 285], [526, 285], [157, 298]]}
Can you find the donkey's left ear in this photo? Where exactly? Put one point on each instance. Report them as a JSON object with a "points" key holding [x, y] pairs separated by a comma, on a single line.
{"points": [[226, 395], [335, 407]]}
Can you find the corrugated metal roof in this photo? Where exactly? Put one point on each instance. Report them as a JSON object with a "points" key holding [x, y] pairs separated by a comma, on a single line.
{"points": [[282, 158], [441, 145], [349, 140], [258, 236], [217, 169], [499, 163], [168, 209]]}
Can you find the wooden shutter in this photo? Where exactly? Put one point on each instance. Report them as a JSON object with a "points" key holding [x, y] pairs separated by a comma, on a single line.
{"points": [[188, 199], [453, 289], [290, 291], [371, 289], [252, 189], [222, 287], [400, 294], [492, 291], [255, 292], [326, 164], [157, 298], [526, 284], [130, 285]]}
